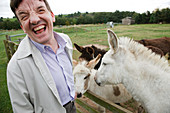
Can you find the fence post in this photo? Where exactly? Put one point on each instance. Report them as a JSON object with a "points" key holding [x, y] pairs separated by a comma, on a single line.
{"points": [[7, 49], [10, 48], [8, 37]]}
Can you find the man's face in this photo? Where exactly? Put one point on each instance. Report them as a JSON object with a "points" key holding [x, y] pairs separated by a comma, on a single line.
{"points": [[36, 20]]}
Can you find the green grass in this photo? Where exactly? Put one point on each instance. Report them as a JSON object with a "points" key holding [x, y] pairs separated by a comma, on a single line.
{"points": [[5, 106], [145, 31], [82, 35]]}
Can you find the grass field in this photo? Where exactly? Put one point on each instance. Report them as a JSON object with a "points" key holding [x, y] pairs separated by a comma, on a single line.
{"points": [[82, 35]]}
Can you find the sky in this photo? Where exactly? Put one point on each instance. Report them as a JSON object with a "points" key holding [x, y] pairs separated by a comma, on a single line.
{"points": [[72, 6]]}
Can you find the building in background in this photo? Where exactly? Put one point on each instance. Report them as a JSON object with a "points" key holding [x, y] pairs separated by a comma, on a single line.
{"points": [[128, 21]]}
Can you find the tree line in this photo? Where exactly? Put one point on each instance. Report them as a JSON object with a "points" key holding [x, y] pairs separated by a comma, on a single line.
{"points": [[157, 16], [9, 24]]}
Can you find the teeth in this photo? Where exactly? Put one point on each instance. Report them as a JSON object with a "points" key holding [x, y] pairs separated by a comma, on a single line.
{"points": [[39, 27]]}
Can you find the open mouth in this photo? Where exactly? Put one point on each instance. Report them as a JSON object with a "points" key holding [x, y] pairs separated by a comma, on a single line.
{"points": [[39, 29]]}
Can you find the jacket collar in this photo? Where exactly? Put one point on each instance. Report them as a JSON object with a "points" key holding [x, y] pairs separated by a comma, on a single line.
{"points": [[26, 47]]}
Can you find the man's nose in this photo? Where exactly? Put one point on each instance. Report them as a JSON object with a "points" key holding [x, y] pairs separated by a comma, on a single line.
{"points": [[34, 18]]}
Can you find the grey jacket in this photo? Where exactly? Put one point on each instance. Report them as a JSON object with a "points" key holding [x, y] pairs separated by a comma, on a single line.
{"points": [[30, 83]]}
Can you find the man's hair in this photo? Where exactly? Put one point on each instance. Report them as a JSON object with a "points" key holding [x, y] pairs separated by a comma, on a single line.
{"points": [[14, 4]]}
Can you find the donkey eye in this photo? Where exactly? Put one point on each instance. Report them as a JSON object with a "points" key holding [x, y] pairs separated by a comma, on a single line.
{"points": [[86, 76], [104, 63]]}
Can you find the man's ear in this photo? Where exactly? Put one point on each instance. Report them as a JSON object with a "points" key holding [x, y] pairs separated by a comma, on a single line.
{"points": [[22, 28], [53, 16]]}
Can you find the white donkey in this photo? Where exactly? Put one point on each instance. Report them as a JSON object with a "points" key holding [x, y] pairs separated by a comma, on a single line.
{"points": [[144, 74], [84, 80]]}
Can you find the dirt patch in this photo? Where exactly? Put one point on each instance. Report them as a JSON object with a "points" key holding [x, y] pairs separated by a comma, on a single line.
{"points": [[99, 40]]}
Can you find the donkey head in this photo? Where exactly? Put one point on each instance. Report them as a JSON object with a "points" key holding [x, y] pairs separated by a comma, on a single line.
{"points": [[82, 72], [111, 61]]}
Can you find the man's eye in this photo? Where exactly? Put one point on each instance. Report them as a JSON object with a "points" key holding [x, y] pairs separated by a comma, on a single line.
{"points": [[23, 17], [41, 10]]}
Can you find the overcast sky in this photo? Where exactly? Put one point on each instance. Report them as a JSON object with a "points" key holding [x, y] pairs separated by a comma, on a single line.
{"points": [[72, 6]]}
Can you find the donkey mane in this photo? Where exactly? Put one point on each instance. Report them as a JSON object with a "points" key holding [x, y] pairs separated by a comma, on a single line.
{"points": [[141, 52]]}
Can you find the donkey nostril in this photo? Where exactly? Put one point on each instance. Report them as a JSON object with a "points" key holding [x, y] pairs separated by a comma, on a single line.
{"points": [[79, 95], [96, 81], [95, 78], [99, 84]]}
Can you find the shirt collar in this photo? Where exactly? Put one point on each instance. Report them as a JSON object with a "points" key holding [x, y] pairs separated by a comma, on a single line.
{"points": [[61, 42]]}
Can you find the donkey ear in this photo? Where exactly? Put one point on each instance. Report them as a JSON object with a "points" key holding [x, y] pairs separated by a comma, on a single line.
{"points": [[90, 50], [112, 40], [79, 48], [91, 64]]}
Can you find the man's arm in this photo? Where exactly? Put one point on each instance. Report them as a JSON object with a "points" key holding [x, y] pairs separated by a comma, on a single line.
{"points": [[17, 90]]}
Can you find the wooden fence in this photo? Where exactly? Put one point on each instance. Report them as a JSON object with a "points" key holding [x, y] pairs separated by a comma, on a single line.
{"points": [[101, 101], [9, 37], [11, 47]]}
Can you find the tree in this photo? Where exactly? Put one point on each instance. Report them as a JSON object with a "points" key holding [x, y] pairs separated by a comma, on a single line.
{"points": [[165, 15], [138, 18], [148, 15], [16, 25], [156, 16], [1, 19], [100, 17], [67, 22], [60, 21], [88, 19]]}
